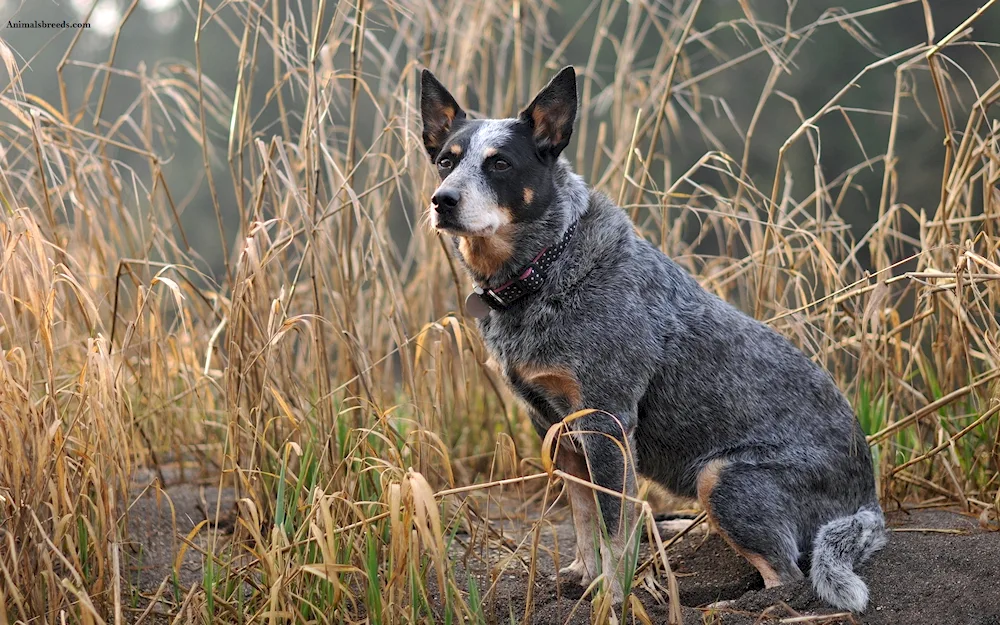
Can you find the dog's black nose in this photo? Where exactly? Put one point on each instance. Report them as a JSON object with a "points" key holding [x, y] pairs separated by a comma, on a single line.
{"points": [[446, 199]]}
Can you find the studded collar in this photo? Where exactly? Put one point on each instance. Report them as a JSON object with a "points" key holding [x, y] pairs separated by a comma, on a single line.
{"points": [[529, 279]]}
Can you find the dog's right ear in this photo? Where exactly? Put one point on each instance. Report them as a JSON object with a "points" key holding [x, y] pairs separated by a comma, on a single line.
{"points": [[439, 111]]}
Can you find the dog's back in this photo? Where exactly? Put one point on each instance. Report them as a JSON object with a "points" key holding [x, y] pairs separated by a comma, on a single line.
{"points": [[716, 381]]}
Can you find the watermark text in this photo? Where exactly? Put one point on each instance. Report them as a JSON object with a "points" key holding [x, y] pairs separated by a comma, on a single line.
{"points": [[46, 24]]}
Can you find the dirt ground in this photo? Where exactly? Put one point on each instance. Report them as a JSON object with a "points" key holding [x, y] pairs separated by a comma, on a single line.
{"points": [[923, 576], [939, 568]]}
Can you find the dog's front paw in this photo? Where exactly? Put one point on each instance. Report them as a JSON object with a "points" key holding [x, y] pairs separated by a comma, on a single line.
{"points": [[720, 605], [576, 572], [616, 592]]}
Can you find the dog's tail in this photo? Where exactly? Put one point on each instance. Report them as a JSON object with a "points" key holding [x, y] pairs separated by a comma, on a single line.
{"points": [[839, 545]]}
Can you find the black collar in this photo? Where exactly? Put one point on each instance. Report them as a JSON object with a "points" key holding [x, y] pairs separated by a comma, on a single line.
{"points": [[529, 279]]}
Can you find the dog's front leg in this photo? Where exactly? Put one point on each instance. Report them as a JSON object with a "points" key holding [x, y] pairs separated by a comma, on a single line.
{"points": [[610, 457], [583, 569]]}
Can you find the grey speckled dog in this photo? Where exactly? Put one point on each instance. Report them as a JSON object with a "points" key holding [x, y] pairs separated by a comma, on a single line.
{"points": [[579, 312]]}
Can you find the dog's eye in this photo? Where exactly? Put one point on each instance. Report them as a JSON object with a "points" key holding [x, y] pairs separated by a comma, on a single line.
{"points": [[501, 165], [444, 163]]}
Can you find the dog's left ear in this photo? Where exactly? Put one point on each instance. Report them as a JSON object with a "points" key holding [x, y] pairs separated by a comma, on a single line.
{"points": [[552, 113], [439, 110]]}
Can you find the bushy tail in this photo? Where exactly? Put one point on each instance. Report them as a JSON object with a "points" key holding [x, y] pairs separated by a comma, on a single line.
{"points": [[839, 545]]}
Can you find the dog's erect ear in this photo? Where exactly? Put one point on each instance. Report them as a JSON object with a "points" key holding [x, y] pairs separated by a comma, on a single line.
{"points": [[439, 110], [552, 113]]}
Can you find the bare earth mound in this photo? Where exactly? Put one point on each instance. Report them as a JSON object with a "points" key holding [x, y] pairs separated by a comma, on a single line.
{"points": [[939, 568]]}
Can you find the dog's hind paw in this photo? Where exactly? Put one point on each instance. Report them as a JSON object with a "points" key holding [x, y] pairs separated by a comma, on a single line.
{"points": [[670, 527]]}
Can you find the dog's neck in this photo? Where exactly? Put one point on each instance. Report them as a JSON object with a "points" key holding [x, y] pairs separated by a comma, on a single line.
{"points": [[495, 260]]}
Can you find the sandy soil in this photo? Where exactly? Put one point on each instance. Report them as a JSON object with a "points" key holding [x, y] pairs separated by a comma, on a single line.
{"points": [[940, 568]]}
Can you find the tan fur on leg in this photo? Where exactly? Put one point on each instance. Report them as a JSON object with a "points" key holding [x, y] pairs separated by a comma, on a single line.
{"points": [[584, 509], [707, 480]]}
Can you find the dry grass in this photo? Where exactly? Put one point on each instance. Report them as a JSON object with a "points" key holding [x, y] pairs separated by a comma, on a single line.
{"points": [[326, 375]]}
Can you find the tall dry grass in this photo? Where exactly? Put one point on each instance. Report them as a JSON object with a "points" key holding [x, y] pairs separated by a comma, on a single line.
{"points": [[327, 374]]}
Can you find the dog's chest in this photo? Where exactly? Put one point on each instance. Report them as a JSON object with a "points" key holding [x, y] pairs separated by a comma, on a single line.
{"points": [[511, 343], [546, 393]]}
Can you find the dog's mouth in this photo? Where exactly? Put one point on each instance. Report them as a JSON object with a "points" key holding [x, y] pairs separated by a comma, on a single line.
{"points": [[449, 226], [461, 232]]}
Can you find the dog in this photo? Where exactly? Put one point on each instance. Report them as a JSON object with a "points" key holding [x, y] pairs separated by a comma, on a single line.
{"points": [[580, 312]]}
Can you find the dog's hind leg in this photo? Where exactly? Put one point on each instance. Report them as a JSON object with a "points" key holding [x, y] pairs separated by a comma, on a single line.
{"points": [[583, 569], [748, 506]]}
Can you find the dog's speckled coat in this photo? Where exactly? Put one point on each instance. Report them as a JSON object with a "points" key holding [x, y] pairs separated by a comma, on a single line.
{"points": [[709, 402]]}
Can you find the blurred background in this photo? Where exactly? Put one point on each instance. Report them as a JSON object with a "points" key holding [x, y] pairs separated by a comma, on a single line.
{"points": [[714, 114]]}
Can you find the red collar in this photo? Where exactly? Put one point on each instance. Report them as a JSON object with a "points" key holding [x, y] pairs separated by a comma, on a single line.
{"points": [[529, 279]]}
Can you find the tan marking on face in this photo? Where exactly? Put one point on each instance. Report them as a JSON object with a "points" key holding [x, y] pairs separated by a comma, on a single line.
{"points": [[529, 194], [456, 150], [488, 152], [487, 255], [557, 381], [708, 478]]}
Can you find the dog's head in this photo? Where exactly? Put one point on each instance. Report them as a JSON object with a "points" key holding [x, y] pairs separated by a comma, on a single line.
{"points": [[495, 172]]}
